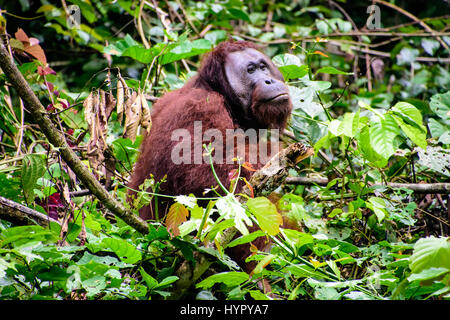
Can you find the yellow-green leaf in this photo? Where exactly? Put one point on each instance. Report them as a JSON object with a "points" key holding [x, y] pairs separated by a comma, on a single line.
{"points": [[266, 213]]}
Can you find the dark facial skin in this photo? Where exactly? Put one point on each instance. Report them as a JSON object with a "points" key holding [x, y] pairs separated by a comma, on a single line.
{"points": [[258, 84]]}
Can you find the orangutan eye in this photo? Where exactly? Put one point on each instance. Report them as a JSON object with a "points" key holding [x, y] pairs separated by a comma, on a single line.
{"points": [[251, 68]]}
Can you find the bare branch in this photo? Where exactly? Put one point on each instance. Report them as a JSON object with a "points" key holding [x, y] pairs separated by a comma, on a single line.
{"points": [[424, 188], [16, 213]]}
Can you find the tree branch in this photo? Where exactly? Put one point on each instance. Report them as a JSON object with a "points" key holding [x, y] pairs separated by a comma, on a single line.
{"points": [[423, 188], [18, 214], [55, 137]]}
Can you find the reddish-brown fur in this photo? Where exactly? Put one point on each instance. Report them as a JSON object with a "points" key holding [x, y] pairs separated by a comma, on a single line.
{"points": [[208, 98]]}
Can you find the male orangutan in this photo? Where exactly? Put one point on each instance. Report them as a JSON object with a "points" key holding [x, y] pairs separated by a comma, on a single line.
{"points": [[237, 88]]}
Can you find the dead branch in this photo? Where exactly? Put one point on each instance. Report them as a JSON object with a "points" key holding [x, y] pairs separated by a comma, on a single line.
{"points": [[422, 188], [18, 214]]}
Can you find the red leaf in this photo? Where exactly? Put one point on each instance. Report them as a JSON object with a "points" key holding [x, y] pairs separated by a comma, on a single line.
{"points": [[321, 53], [233, 174], [22, 36], [248, 166], [176, 216], [45, 71], [37, 52]]}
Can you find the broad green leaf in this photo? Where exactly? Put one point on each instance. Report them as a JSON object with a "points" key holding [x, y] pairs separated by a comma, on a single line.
{"points": [[266, 213], [440, 104], [382, 134], [141, 54], [350, 124], [430, 252], [216, 36], [323, 142], [126, 251], [428, 274], [245, 239], [430, 45], [335, 127], [230, 208], [286, 59], [417, 134], [367, 150], [186, 49], [230, 279], [331, 70], [219, 227], [435, 158], [33, 168], [290, 66], [293, 71], [166, 281], [149, 280], [437, 129], [94, 285], [303, 99], [408, 111], [120, 46], [304, 271], [407, 56], [318, 85], [239, 14], [378, 206], [18, 236]]}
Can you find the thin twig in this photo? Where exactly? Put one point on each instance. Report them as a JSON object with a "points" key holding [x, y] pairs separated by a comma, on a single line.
{"points": [[422, 188], [413, 17]]}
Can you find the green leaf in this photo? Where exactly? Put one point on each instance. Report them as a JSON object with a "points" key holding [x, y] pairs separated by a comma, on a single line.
{"points": [[18, 236], [304, 271], [318, 85], [430, 252], [331, 70], [230, 279], [428, 274], [239, 14], [149, 280], [263, 263], [303, 99], [120, 46], [290, 66], [435, 158], [382, 134], [350, 123], [367, 150], [440, 105], [430, 46], [33, 168], [378, 206], [266, 213], [417, 134], [230, 208], [245, 239], [408, 111], [166, 281], [186, 49], [126, 251]]}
